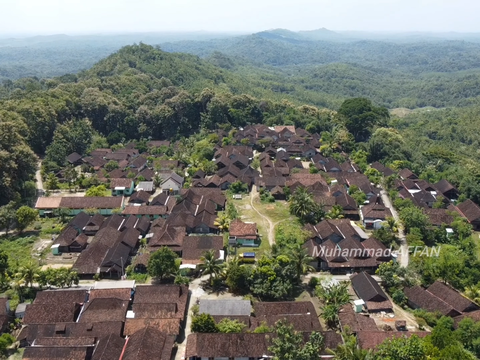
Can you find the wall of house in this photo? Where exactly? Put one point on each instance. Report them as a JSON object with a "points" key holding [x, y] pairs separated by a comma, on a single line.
{"points": [[170, 184], [248, 242]]}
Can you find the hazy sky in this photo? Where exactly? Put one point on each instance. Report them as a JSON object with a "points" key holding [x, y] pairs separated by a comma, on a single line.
{"points": [[93, 16]]}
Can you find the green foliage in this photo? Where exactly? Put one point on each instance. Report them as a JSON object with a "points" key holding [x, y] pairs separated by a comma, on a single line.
{"points": [[111, 165], [52, 182], [288, 344], [313, 282], [210, 265], [263, 328], [99, 190], [25, 216], [238, 187], [402, 348], [360, 116], [162, 263], [289, 235], [333, 297], [273, 278], [228, 326], [237, 277], [357, 194], [61, 277], [7, 216], [303, 206], [5, 341], [204, 323]]}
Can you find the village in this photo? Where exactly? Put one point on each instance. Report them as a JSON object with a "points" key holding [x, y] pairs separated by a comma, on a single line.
{"points": [[234, 213]]}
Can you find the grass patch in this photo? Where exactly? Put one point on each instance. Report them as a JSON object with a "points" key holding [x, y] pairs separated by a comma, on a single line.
{"points": [[17, 355], [18, 249]]}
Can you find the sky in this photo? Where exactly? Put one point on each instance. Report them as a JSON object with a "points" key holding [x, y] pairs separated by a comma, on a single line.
{"points": [[124, 16]]}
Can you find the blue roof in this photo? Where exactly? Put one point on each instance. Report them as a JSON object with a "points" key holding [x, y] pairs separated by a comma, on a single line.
{"points": [[249, 254]]}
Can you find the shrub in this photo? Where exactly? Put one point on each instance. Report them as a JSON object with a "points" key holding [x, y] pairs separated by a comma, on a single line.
{"points": [[313, 282]]}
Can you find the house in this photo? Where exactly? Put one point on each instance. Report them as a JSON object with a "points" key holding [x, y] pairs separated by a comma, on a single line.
{"points": [[139, 197], [194, 247], [104, 310], [146, 186], [373, 215], [71, 240], [452, 297], [243, 234], [152, 212], [367, 289], [104, 205], [355, 322], [122, 187], [227, 346], [74, 159], [225, 308], [439, 217], [172, 183], [471, 211], [148, 343], [418, 297], [447, 190], [301, 314]]}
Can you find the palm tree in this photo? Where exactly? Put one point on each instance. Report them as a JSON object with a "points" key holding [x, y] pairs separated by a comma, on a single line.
{"points": [[28, 273], [303, 206], [391, 224], [157, 180], [330, 315], [335, 213], [222, 222], [71, 175], [210, 265], [334, 294], [473, 293], [300, 258]]}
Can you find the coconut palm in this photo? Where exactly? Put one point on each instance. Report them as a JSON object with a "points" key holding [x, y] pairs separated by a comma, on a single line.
{"points": [[391, 224], [473, 293], [222, 222], [157, 180], [210, 265], [330, 315], [303, 206], [335, 213], [301, 260], [29, 273]]}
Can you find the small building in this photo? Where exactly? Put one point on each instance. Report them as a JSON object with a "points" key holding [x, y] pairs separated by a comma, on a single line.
{"points": [[367, 289], [145, 186], [122, 187], [244, 234], [374, 215], [172, 183]]}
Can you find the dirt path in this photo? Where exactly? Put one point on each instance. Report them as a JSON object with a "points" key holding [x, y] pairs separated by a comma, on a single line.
{"points": [[271, 226], [403, 253], [38, 176]]}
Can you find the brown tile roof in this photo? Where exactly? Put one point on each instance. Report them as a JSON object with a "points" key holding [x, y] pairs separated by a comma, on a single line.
{"points": [[73, 329], [171, 236], [147, 344], [371, 339], [67, 341], [375, 211], [367, 288], [470, 210], [356, 322], [51, 313], [227, 345], [64, 353], [126, 183], [145, 210], [122, 294], [140, 197], [90, 260], [99, 202], [155, 310], [164, 325], [195, 246], [438, 217], [451, 297], [300, 322], [419, 297], [241, 229], [60, 297], [48, 203], [101, 309], [109, 347], [163, 294]]}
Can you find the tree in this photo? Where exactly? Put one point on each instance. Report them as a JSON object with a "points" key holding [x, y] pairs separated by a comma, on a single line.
{"points": [[288, 344], [238, 187], [204, 323], [63, 214], [25, 216], [360, 116], [157, 180], [162, 263], [333, 296], [303, 206], [210, 265], [99, 190], [71, 175], [52, 182], [28, 273], [228, 326], [263, 328], [413, 217], [402, 348], [301, 260], [357, 194], [3, 262], [335, 213], [222, 222], [5, 341], [111, 165], [236, 277], [7, 216]]}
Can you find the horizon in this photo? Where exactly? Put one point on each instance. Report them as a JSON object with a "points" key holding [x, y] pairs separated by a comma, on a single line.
{"points": [[87, 17]]}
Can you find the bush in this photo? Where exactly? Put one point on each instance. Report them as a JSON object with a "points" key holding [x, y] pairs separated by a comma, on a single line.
{"points": [[313, 282], [422, 324], [138, 277], [430, 318], [399, 297]]}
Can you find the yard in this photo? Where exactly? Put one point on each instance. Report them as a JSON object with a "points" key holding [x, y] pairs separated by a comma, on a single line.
{"points": [[265, 215]]}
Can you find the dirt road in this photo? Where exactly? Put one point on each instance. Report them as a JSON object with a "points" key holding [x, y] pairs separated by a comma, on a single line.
{"points": [[271, 226]]}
